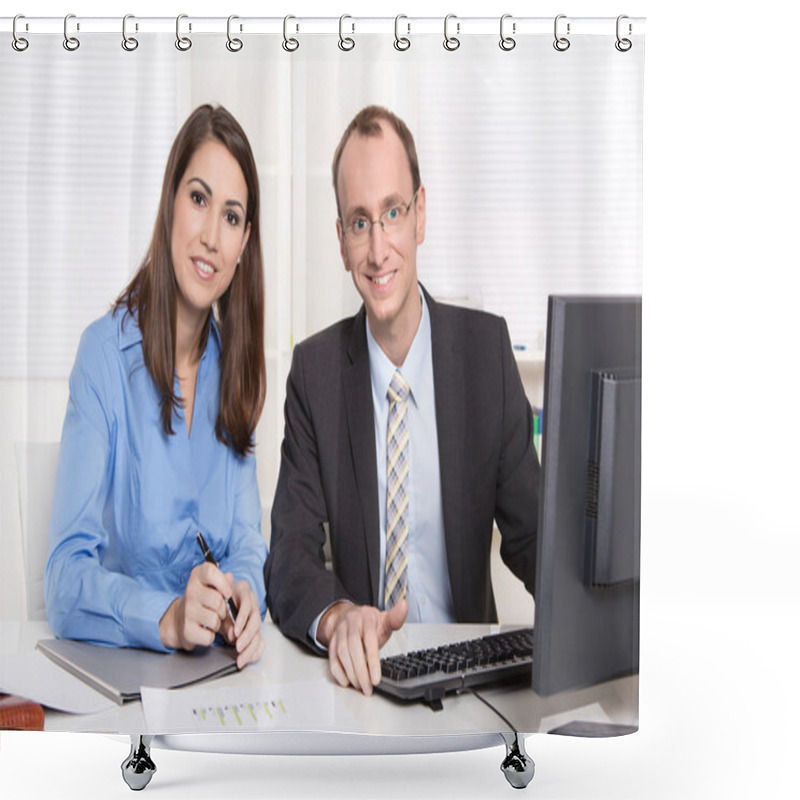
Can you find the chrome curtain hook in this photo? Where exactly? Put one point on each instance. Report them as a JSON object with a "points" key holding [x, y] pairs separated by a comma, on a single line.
{"points": [[233, 44], [623, 45], [561, 43], [451, 42], [129, 43], [182, 42], [70, 42], [289, 44], [401, 42], [507, 42], [346, 42], [19, 43]]}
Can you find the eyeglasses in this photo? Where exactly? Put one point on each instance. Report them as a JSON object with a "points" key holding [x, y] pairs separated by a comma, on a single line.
{"points": [[359, 228]]}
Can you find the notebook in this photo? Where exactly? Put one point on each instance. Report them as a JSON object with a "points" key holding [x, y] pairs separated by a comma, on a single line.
{"points": [[120, 672]]}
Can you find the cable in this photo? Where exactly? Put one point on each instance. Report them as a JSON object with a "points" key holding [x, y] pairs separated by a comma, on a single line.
{"points": [[502, 717]]}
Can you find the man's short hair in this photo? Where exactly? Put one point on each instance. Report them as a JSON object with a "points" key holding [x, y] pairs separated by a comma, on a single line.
{"points": [[367, 123]]}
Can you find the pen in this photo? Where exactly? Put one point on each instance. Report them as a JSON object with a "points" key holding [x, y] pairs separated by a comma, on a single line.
{"points": [[232, 610]]}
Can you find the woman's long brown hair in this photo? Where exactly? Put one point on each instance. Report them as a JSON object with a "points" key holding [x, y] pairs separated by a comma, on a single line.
{"points": [[151, 297]]}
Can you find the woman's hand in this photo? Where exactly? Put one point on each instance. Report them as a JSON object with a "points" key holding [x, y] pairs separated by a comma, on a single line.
{"points": [[193, 618], [245, 634]]}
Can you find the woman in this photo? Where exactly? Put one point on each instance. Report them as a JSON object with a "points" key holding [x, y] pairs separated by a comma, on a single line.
{"points": [[158, 439]]}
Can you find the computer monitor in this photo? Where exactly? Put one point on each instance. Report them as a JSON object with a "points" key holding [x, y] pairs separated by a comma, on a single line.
{"points": [[586, 627]]}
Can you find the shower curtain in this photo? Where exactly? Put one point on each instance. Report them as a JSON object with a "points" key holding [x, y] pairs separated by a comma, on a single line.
{"points": [[530, 149]]}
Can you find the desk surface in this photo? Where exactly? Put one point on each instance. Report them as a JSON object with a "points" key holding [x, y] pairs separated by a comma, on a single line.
{"points": [[349, 712]]}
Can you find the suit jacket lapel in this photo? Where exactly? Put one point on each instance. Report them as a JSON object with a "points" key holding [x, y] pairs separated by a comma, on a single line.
{"points": [[448, 382], [361, 430]]}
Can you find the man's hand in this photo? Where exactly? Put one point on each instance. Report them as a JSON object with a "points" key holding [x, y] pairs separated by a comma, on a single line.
{"points": [[354, 635]]}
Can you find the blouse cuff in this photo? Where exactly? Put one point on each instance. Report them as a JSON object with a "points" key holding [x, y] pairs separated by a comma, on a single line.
{"points": [[142, 624]]}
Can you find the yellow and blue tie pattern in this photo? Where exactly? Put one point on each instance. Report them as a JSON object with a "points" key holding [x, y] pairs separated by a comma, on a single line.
{"points": [[397, 458]]}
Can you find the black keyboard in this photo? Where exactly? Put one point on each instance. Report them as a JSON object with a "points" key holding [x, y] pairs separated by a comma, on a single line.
{"points": [[430, 674]]}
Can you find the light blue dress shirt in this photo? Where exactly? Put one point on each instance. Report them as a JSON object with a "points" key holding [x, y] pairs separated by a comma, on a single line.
{"points": [[130, 499], [429, 595]]}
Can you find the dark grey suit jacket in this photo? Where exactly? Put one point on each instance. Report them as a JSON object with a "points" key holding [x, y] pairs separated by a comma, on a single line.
{"points": [[489, 469]]}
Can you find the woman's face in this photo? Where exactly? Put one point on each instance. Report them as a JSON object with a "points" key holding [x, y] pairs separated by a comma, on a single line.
{"points": [[208, 228]]}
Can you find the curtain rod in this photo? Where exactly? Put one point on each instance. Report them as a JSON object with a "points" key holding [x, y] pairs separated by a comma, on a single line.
{"points": [[347, 25]]}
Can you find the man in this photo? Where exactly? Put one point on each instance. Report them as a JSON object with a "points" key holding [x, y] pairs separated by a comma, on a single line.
{"points": [[407, 434]]}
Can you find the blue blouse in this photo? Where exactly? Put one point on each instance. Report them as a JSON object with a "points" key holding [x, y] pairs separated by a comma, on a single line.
{"points": [[129, 499]]}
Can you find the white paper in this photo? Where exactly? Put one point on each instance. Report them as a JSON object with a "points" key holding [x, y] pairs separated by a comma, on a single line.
{"points": [[309, 705], [34, 676]]}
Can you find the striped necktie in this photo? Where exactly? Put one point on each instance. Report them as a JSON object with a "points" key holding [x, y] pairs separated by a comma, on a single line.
{"points": [[396, 578]]}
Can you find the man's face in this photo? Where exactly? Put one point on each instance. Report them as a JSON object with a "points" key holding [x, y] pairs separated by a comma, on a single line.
{"points": [[375, 178]]}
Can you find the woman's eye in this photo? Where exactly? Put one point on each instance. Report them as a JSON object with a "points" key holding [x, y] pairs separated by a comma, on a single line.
{"points": [[232, 217], [198, 198]]}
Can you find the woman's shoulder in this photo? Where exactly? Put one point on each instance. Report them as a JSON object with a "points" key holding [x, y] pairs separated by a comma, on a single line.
{"points": [[116, 329], [103, 327], [103, 341]]}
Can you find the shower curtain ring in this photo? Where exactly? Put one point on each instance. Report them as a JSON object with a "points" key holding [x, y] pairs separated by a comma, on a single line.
{"points": [[507, 42], [70, 42], [233, 44], [451, 42], [19, 43], [289, 44], [182, 42], [561, 43], [129, 43], [346, 42], [401, 42]]}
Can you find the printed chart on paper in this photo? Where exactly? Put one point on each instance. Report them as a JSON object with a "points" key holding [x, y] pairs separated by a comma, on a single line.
{"points": [[254, 707]]}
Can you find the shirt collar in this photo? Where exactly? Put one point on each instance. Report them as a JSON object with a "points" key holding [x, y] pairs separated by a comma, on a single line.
{"points": [[382, 369], [128, 328]]}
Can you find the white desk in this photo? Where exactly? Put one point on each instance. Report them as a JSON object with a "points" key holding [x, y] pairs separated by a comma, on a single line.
{"points": [[360, 725]]}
